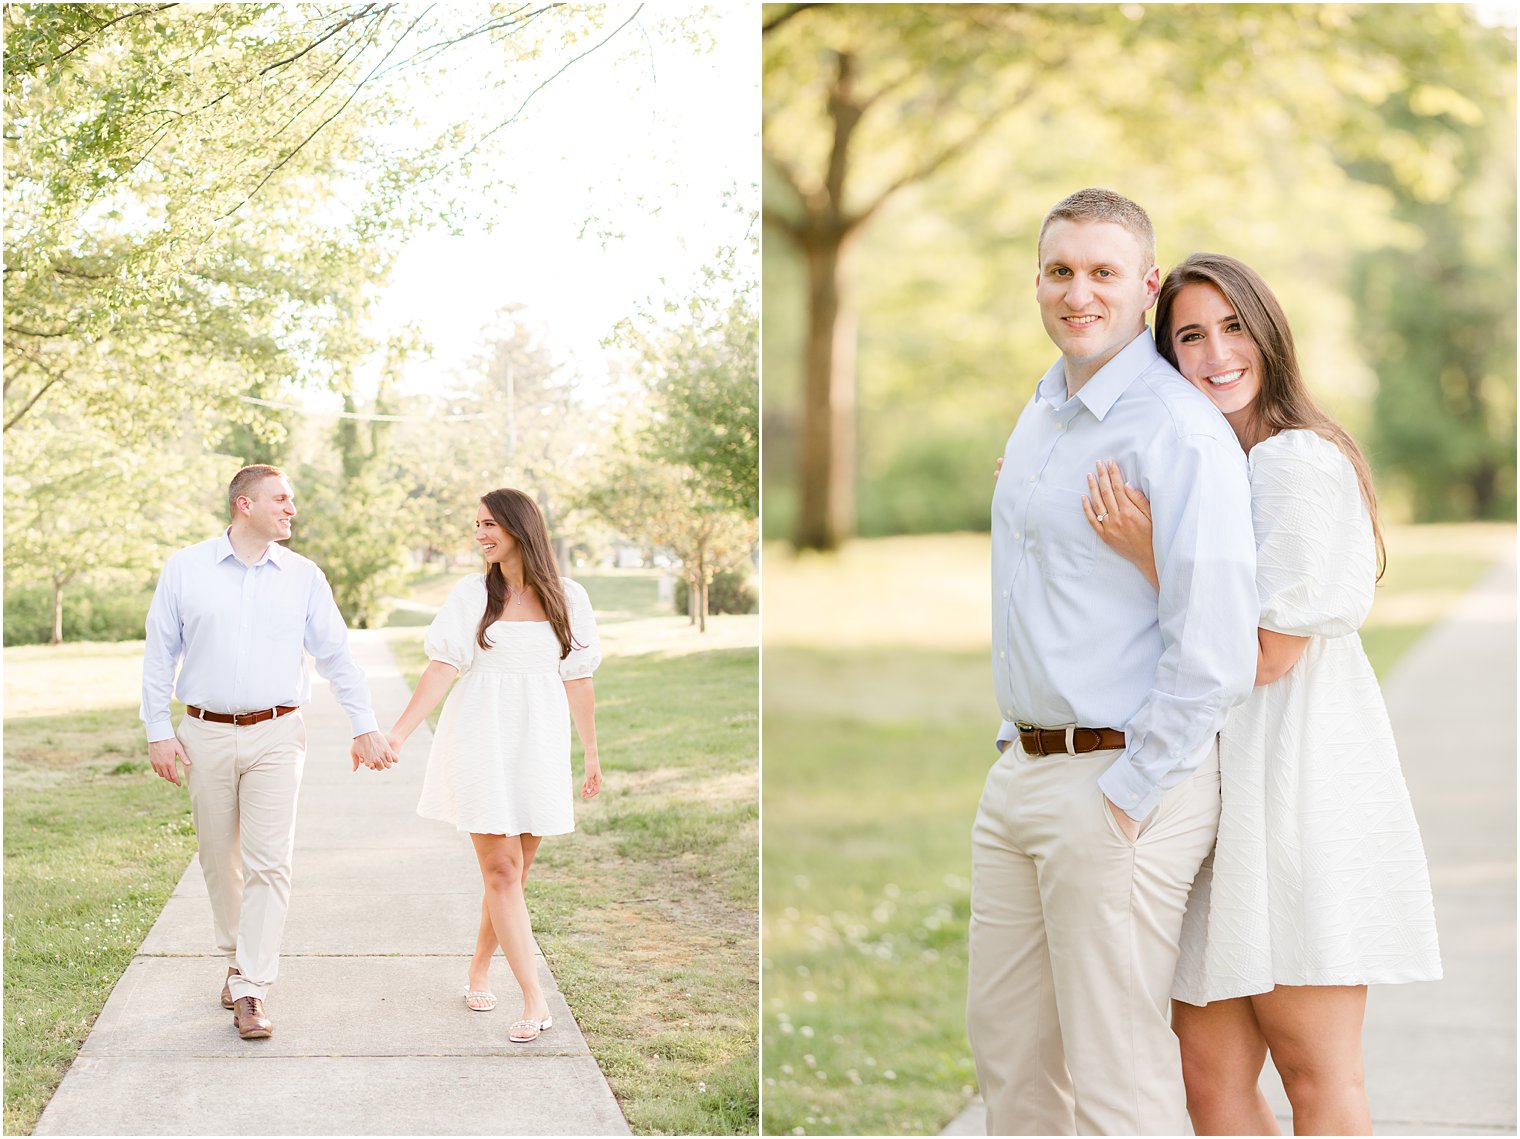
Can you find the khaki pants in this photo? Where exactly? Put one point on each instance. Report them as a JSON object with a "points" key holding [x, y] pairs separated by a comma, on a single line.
{"points": [[1074, 940], [243, 787]]}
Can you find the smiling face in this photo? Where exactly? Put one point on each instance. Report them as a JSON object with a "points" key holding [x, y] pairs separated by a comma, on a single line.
{"points": [[495, 542], [1214, 351], [270, 506], [1094, 288]]}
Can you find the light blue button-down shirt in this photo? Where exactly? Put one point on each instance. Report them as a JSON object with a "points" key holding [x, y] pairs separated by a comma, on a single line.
{"points": [[1078, 634], [244, 632]]}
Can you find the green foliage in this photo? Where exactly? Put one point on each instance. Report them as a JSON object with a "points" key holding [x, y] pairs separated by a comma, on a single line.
{"points": [[730, 592], [706, 384], [1269, 132], [682, 473], [352, 523], [111, 611], [199, 202], [1439, 313], [662, 506], [78, 507]]}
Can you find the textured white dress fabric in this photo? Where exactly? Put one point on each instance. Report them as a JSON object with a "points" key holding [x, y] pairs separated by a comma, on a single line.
{"points": [[1318, 876], [500, 761]]}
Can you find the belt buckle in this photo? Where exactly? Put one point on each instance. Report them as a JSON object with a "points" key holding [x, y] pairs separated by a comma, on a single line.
{"points": [[1069, 729], [244, 719]]}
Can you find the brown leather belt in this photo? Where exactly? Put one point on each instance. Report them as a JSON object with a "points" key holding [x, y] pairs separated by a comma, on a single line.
{"points": [[1067, 741], [241, 719]]}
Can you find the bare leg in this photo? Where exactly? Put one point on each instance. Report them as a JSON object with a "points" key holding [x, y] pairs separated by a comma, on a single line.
{"points": [[502, 863], [1315, 1035], [485, 937], [1222, 1054]]}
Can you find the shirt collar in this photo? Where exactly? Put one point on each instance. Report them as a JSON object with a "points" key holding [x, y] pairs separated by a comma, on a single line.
{"points": [[1108, 383], [274, 554]]}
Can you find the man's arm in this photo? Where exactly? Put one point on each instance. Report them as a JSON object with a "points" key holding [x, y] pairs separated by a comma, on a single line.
{"points": [[327, 642], [165, 640], [1207, 614]]}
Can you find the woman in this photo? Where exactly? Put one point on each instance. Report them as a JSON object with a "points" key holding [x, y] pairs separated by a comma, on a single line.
{"points": [[1318, 884], [524, 644]]}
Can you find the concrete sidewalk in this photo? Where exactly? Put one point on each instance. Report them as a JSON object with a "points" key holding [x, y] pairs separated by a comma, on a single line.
{"points": [[1440, 1056], [371, 1032]]}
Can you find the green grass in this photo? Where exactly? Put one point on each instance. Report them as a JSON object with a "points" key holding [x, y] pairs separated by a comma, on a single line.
{"points": [[867, 890], [648, 916], [94, 844], [655, 947], [875, 755]]}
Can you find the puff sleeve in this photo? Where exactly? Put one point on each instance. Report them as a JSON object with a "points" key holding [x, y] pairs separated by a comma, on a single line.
{"points": [[586, 652], [1316, 562], [451, 636]]}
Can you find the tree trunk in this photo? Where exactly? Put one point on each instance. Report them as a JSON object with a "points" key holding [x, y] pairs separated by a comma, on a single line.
{"points": [[702, 624], [57, 610], [1485, 489], [826, 515]]}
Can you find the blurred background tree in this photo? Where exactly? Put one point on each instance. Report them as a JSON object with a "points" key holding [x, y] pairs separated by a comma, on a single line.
{"points": [[1361, 157]]}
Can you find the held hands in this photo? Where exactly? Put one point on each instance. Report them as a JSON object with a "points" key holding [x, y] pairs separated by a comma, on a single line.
{"points": [[162, 755], [1121, 515], [374, 751], [593, 782]]}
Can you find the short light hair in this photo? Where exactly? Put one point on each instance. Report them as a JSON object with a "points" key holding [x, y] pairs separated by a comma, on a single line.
{"points": [[245, 480], [1098, 204]]}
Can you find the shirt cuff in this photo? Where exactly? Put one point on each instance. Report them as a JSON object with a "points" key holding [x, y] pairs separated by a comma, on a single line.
{"points": [[1128, 790], [160, 730], [364, 722]]}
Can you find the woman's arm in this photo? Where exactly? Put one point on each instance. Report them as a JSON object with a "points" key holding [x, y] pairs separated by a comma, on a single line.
{"points": [[434, 682], [581, 695], [1276, 654], [1126, 523]]}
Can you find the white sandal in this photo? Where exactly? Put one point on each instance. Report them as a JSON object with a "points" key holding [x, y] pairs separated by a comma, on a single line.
{"points": [[478, 1000], [526, 1031]]}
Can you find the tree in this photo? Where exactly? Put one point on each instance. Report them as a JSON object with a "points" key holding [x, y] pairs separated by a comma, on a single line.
{"points": [[199, 199], [352, 520], [705, 385], [849, 142], [77, 507], [1439, 309], [218, 185], [653, 504]]}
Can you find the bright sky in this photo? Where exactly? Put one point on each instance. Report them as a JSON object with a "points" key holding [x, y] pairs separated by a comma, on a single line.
{"points": [[645, 136]]}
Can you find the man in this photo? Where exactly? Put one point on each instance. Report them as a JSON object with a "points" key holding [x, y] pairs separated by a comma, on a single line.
{"points": [[241, 609], [1105, 798]]}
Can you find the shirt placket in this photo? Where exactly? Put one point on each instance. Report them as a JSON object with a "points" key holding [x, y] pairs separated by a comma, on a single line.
{"points": [[1019, 562], [242, 663]]}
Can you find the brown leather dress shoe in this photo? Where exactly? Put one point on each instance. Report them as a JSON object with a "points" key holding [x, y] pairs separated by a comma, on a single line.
{"points": [[248, 1016], [227, 987]]}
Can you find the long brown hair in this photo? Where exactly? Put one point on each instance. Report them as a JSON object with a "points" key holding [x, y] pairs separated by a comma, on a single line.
{"points": [[1284, 402], [517, 514]]}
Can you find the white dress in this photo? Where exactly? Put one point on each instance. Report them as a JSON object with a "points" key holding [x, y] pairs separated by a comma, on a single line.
{"points": [[500, 761], [1319, 876]]}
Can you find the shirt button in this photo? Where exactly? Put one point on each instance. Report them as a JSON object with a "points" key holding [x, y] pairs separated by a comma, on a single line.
{"points": [[1002, 655], [1133, 797], [1033, 478], [1059, 425], [1018, 536], [1005, 593]]}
